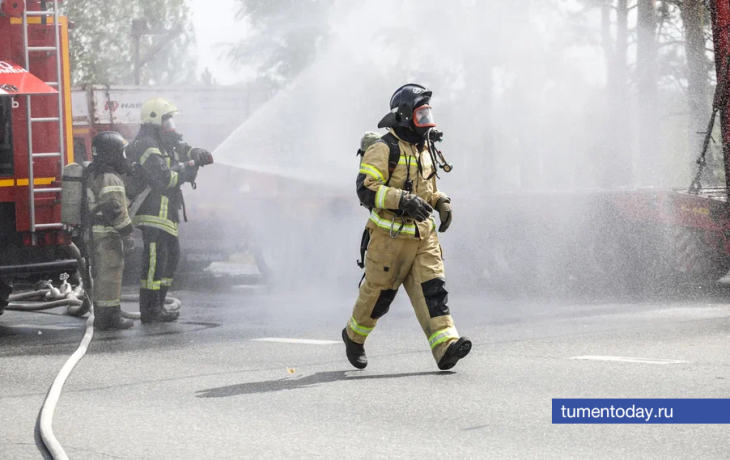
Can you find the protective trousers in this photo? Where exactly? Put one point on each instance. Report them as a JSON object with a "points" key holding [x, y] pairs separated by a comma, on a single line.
{"points": [[417, 264], [159, 262], [107, 268], [6, 288]]}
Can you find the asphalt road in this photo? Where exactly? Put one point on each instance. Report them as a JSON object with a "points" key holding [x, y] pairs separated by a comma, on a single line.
{"points": [[205, 388]]}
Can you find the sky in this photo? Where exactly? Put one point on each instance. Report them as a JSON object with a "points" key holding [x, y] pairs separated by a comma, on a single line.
{"points": [[215, 25]]}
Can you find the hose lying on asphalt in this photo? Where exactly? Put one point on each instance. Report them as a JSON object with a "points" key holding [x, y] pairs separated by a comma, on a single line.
{"points": [[51, 297], [46, 297], [49, 405], [78, 302]]}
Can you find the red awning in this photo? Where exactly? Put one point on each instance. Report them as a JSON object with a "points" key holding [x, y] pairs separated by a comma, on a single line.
{"points": [[16, 81]]}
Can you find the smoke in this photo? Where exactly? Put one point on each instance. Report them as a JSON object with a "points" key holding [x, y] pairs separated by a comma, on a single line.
{"points": [[513, 103], [539, 178]]}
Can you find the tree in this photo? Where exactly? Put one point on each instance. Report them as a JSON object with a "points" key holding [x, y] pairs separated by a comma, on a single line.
{"points": [[696, 18], [102, 48], [285, 37], [647, 80]]}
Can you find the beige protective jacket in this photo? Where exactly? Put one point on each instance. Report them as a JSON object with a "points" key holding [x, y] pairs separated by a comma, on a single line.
{"points": [[384, 200], [108, 205]]}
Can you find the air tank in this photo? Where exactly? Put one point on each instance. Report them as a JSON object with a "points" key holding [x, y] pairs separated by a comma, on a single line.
{"points": [[72, 190]]}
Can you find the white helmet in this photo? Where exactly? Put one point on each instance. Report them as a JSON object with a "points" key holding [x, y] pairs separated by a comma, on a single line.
{"points": [[154, 110]]}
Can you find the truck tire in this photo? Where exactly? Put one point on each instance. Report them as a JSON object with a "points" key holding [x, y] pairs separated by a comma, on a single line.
{"points": [[699, 256]]}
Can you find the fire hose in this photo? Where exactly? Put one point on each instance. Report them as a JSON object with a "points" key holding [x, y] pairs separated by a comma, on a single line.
{"points": [[45, 296], [52, 297]]}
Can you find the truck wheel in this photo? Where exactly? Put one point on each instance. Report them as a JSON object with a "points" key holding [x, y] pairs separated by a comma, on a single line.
{"points": [[699, 256]]}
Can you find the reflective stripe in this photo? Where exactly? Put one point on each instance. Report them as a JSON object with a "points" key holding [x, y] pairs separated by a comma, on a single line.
{"points": [[153, 287], [166, 282], [124, 223], [173, 179], [362, 330], [409, 229], [153, 262], [107, 303], [155, 222], [441, 336], [380, 197], [147, 154], [103, 229], [167, 161], [164, 204], [371, 170], [112, 189], [403, 160]]}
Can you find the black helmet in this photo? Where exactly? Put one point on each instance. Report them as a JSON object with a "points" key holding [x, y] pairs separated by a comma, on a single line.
{"points": [[402, 104], [108, 150], [108, 145]]}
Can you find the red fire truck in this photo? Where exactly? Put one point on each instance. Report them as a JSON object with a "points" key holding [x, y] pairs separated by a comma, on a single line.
{"points": [[35, 139]]}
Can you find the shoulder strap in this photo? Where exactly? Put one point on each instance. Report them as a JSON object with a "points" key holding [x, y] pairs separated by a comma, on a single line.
{"points": [[394, 156]]}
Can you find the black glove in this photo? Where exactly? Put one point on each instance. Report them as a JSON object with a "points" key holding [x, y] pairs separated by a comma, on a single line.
{"points": [[415, 206], [443, 206], [186, 171], [201, 157]]}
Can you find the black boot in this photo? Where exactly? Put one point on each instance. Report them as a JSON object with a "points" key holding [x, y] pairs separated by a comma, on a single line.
{"points": [[163, 294], [355, 352], [454, 353], [110, 319], [157, 314], [151, 310]]}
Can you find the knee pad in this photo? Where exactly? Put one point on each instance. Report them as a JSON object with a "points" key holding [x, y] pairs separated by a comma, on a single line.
{"points": [[383, 304], [437, 297]]}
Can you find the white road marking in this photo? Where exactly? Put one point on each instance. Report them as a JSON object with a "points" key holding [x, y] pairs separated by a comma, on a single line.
{"points": [[49, 327], [630, 360], [299, 341]]}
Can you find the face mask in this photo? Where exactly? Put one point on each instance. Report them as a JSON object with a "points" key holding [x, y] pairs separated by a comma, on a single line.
{"points": [[423, 117], [168, 125]]}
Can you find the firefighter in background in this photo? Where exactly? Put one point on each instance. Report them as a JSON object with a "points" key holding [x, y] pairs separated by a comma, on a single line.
{"points": [[166, 163], [112, 228], [401, 192], [6, 288]]}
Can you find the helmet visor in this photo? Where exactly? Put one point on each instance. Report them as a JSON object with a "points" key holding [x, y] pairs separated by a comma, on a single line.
{"points": [[423, 117], [168, 124]]}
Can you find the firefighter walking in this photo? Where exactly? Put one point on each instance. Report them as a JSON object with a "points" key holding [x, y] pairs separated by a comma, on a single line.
{"points": [[166, 163], [397, 181], [112, 228]]}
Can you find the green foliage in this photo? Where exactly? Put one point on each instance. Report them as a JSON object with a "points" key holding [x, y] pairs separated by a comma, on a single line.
{"points": [[285, 36], [102, 47]]}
